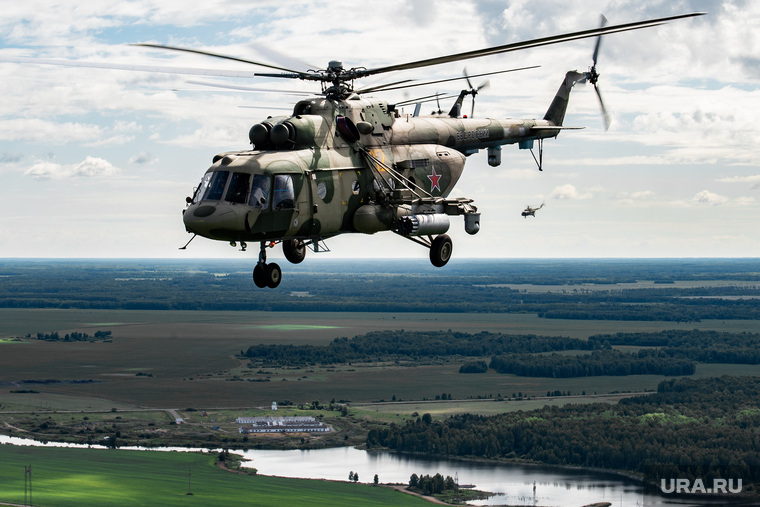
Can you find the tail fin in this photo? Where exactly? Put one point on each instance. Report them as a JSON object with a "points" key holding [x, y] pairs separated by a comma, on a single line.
{"points": [[556, 111]]}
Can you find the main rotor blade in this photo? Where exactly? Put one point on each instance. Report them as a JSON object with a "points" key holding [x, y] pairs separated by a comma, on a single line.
{"points": [[543, 41], [427, 98], [384, 86], [248, 88], [224, 57], [62, 62], [391, 87]]}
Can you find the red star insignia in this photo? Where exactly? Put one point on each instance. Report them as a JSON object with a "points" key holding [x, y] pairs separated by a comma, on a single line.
{"points": [[434, 181]]}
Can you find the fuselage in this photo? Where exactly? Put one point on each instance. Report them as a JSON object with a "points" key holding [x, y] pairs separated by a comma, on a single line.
{"points": [[339, 166]]}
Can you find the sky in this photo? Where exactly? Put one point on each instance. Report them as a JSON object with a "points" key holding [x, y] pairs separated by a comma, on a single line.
{"points": [[97, 162]]}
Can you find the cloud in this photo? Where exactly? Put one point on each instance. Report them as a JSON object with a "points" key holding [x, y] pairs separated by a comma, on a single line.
{"points": [[89, 167], [707, 197], [569, 192], [143, 158], [753, 179], [633, 197]]}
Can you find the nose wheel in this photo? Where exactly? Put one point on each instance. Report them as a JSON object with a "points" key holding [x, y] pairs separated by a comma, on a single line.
{"points": [[266, 275]]}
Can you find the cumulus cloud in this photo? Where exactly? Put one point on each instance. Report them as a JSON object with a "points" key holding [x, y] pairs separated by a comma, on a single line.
{"points": [[570, 192], [89, 167], [707, 197]]}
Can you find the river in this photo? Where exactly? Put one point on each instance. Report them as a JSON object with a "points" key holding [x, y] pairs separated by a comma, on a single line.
{"points": [[514, 484]]}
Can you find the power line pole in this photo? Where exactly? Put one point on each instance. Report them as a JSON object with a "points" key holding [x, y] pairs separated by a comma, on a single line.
{"points": [[28, 484], [189, 475]]}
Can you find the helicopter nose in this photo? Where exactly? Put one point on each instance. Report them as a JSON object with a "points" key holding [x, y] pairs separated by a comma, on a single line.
{"points": [[215, 220], [197, 218]]}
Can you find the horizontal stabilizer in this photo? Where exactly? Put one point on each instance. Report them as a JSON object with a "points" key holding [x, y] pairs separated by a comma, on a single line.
{"points": [[555, 127]]}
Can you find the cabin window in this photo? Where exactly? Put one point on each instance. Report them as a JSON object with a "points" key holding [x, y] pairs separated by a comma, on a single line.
{"points": [[284, 194], [260, 192], [238, 189], [216, 187]]}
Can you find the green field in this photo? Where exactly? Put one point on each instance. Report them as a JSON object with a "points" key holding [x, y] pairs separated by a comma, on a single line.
{"points": [[187, 359], [95, 477]]}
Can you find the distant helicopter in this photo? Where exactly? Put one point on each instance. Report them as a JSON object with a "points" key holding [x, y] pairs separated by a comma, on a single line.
{"points": [[344, 162], [531, 212]]}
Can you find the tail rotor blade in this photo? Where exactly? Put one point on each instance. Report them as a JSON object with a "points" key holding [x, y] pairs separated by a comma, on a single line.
{"points": [[602, 24], [467, 77], [605, 114], [593, 75]]}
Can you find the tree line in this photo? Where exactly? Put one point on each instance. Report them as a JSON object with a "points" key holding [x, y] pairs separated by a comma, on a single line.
{"points": [[695, 345], [671, 353], [74, 336], [688, 423], [481, 286], [597, 363], [400, 344]]}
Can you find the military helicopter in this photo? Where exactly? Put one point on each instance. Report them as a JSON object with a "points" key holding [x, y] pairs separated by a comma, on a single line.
{"points": [[531, 212], [344, 162]]}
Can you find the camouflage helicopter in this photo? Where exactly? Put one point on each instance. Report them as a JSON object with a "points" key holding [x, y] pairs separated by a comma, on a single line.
{"points": [[344, 162], [530, 211]]}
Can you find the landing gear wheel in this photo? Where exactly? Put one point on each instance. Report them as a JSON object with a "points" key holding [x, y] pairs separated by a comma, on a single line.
{"points": [[440, 250], [259, 276], [294, 250], [273, 275]]}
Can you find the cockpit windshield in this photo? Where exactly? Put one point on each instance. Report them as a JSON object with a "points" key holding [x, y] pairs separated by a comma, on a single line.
{"points": [[237, 186], [202, 188], [238, 189], [216, 187]]}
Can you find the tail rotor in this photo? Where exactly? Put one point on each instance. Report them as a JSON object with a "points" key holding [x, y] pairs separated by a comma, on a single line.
{"points": [[474, 90], [592, 76]]}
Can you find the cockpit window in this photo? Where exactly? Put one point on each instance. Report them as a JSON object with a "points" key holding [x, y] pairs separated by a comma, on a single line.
{"points": [[260, 192], [238, 189], [284, 195], [202, 187], [216, 187]]}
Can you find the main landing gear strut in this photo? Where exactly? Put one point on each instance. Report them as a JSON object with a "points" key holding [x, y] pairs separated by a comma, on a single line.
{"points": [[441, 247], [266, 275]]}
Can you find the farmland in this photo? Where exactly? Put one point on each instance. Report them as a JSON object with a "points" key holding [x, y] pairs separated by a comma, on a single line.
{"points": [[93, 477], [160, 362]]}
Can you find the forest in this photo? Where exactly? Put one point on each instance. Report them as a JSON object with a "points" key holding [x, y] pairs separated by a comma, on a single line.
{"points": [[384, 346], [702, 346], [322, 285], [598, 363], [687, 424], [672, 352]]}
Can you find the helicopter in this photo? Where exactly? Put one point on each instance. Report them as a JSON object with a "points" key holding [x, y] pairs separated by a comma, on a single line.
{"points": [[531, 212], [346, 162]]}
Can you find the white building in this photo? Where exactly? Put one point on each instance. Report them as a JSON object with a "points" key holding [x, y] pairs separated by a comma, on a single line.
{"points": [[292, 424]]}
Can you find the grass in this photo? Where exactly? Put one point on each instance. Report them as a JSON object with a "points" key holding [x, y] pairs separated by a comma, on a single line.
{"points": [[96, 477], [399, 412], [274, 327]]}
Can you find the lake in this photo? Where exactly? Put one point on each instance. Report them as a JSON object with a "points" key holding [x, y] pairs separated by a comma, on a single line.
{"points": [[513, 484]]}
